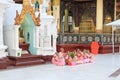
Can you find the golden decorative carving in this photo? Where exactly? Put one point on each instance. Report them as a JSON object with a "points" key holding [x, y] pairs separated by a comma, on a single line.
{"points": [[40, 1], [26, 2], [38, 20], [26, 9], [37, 9], [17, 18], [56, 2], [33, 1], [49, 9]]}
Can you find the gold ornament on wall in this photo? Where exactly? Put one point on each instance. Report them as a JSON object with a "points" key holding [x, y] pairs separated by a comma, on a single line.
{"points": [[38, 20], [49, 11], [17, 18], [33, 1], [56, 2], [40, 1], [27, 9]]}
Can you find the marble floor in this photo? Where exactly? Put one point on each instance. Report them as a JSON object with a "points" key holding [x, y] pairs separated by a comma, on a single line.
{"points": [[101, 69]]}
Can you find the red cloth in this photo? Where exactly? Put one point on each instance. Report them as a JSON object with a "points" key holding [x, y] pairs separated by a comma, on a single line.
{"points": [[94, 47]]}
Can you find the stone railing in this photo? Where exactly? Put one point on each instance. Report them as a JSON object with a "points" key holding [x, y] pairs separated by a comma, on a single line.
{"points": [[86, 38]]}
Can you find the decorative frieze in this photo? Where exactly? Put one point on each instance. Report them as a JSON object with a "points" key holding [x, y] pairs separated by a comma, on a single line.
{"points": [[87, 38]]}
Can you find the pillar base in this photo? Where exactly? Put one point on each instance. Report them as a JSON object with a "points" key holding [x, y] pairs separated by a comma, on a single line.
{"points": [[2, 51], [16, 52]]}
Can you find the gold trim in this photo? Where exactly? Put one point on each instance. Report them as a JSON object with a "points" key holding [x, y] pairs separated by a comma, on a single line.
{"points": [[49, 12], [40, 1], [33, 1]]}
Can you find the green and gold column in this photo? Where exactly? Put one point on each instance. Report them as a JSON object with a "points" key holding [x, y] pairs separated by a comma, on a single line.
{"points": [[99, 16], [56, 12], [66, 20]]}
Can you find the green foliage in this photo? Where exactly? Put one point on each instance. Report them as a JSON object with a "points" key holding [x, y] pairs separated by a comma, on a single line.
{"points": [[72, 55]]}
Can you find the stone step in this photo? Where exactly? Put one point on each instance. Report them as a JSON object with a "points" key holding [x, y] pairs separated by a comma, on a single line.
{"points": [[3, 63], [26, 59]]}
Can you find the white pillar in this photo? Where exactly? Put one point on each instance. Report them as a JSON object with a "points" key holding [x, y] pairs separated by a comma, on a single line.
{"points": [[16, 51], [41, 41], [1, 27], [2, 46], [16, 37], [46, 30], [54, 42], [37, 42], [2, 9], [99, 16]]}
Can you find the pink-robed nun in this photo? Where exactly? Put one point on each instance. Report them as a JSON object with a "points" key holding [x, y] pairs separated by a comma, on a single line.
{"points": [[58, 59]]}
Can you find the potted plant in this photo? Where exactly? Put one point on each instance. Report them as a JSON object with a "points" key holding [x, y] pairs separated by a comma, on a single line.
{"points": [[72, 59]]}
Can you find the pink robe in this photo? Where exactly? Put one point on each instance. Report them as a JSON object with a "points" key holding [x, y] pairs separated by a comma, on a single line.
{"points": [[58, 60]]}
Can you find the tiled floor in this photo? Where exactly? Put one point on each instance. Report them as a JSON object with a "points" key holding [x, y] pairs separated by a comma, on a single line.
{"points": [[101, 69]]}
